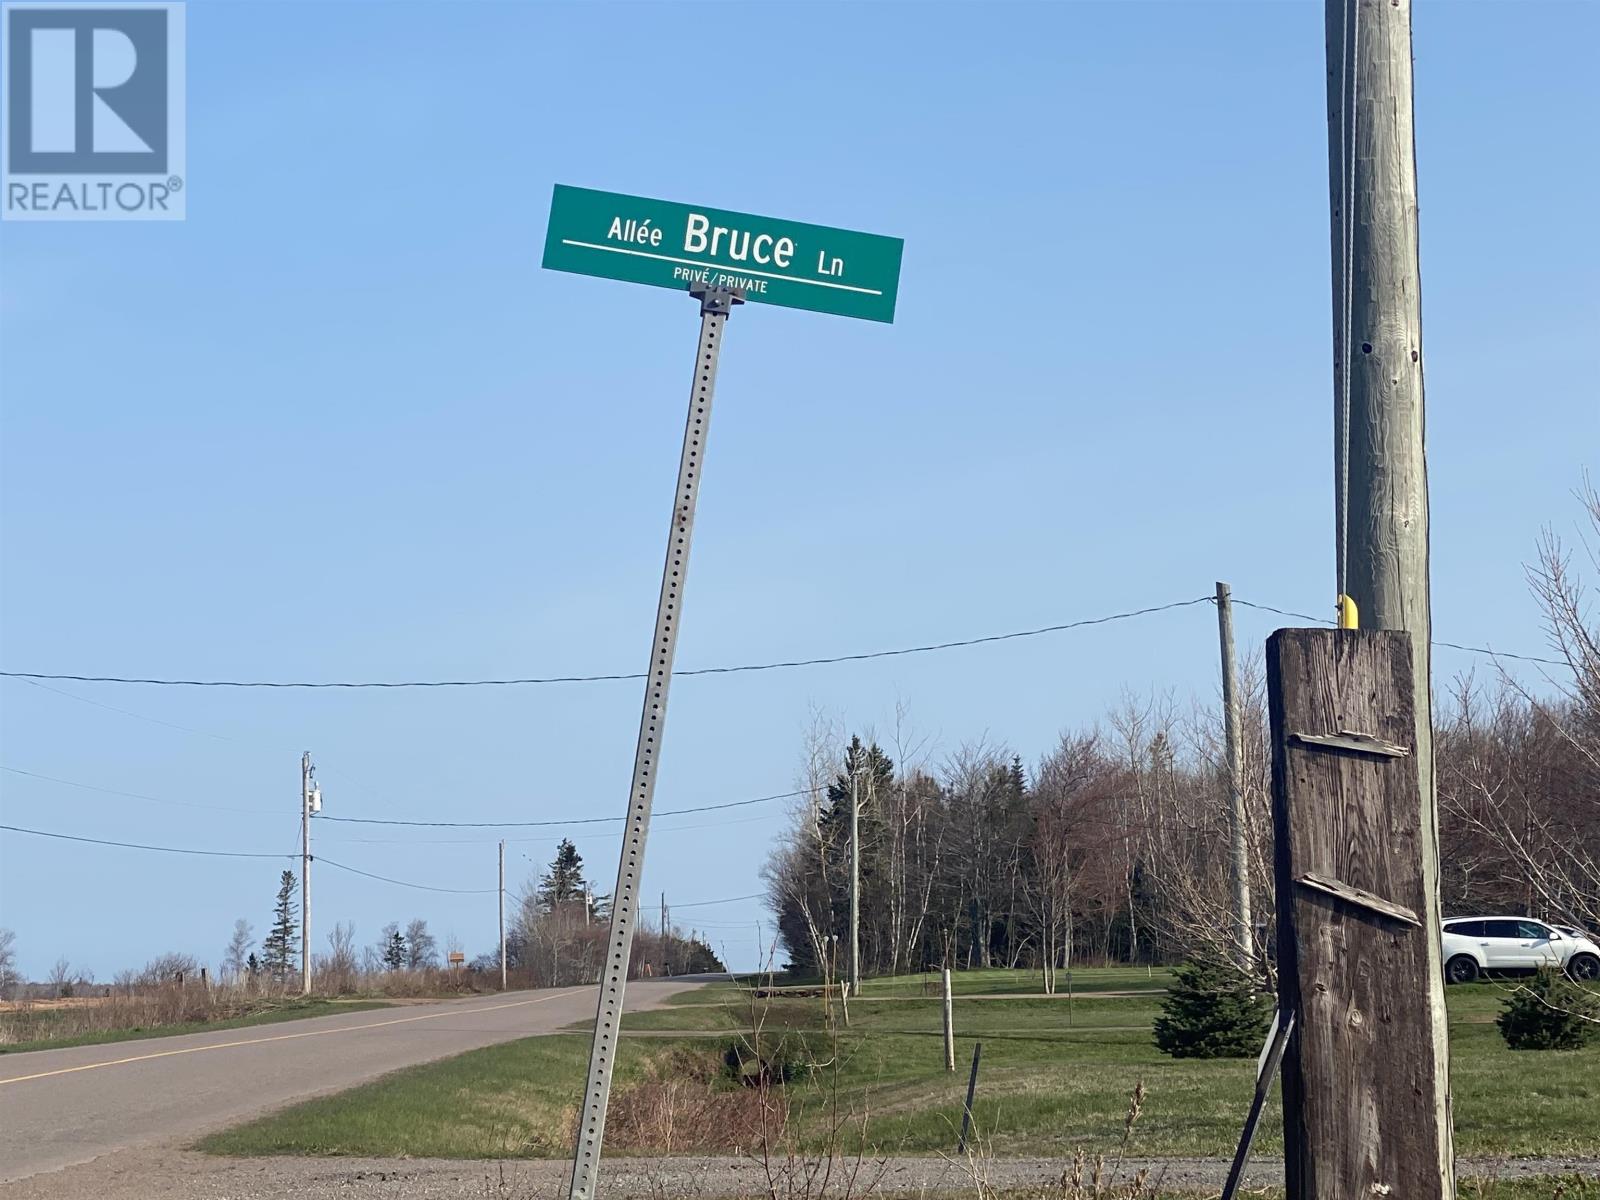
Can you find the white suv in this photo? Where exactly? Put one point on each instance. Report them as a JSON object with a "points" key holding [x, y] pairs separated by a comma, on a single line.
{"points": [[1473, 945]]}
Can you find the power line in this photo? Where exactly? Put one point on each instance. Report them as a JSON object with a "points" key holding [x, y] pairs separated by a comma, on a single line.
{"points": [[671, 812], [426, 887], [91, 787], [1549, 662], [69, 837], [532, 680], [1283, 612], [328, 862], [554, 823], [124, 712], [705, 903], [478, 841], [743, 668]]}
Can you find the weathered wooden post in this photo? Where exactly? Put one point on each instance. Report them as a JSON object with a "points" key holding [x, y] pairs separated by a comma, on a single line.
{"points": [[972, 1092], [1361, 1076], [949, 1025]]}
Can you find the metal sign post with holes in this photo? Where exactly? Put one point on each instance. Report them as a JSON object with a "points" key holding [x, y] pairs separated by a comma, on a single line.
{"points": [[721, 259]]}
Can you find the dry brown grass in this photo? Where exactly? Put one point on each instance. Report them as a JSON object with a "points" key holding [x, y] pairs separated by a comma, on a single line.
{"points": [[122, 1011], [679, 1107], [1089, 1177]]}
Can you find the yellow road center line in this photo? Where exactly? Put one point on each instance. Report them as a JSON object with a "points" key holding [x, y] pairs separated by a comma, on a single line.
{"points": [[282, 1037]]}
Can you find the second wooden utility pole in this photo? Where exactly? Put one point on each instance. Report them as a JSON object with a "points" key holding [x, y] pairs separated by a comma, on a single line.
{"points": [[1239, 857], [502, 916], [305, 873], [854, 985]]}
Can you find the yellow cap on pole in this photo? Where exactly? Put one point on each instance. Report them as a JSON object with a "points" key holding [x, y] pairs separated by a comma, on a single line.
{"points": [[1349, 615]]}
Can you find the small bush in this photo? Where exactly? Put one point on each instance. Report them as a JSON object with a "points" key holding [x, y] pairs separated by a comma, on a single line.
{"points": [[1550, 1012], [679, 1106], [776, 1066], [1213, 1010]]}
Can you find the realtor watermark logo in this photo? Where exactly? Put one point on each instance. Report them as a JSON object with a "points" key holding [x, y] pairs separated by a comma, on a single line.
{"points": [[93, 125]]}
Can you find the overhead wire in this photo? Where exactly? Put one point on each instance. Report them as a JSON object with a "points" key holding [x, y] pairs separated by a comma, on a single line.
{"points": [[126, 713], [92, 787], [743, 668], [670, 812], [491, 841], [426, 887], [726, 900], [72, 837], [328, 862], [602, 678], [1486, 650]]}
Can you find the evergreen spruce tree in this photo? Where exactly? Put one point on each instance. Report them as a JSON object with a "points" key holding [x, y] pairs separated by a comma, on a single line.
{"points": [[1017, 782], [1550, 1012], [564, 881], [1213, 1010], [277, 948], [393, 947]]}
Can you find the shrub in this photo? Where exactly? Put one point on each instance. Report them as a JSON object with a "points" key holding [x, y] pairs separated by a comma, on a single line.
{"points": [[1213, 1010], [1550, 1012], [779, 1065], [679, 1106]]}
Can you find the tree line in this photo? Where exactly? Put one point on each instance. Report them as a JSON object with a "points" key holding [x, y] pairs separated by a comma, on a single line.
{"points": [[557, 935], [1114, 845]]}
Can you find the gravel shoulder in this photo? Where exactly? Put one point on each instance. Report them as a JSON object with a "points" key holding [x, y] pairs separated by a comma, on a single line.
{"points": [[186, 1175]]}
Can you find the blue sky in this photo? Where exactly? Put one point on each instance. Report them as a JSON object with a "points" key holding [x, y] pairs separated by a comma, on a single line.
{"points": [[339, 425]]}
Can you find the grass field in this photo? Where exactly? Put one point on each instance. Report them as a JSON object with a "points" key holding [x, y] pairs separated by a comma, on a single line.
{"points": [[1054, 1077], [33, 1029]]}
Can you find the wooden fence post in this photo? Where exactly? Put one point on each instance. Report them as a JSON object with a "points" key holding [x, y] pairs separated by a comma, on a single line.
{"points": [[949, 1026], [1359, 1078]]}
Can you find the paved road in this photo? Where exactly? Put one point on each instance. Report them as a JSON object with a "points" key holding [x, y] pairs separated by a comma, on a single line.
{"points": [[60, 1107]]}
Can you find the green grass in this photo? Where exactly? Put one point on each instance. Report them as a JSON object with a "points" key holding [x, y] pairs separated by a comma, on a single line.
{"points": [[517, 1100], [1004, 981], [908, 1016], [1054, 1077], [287, 1010]]}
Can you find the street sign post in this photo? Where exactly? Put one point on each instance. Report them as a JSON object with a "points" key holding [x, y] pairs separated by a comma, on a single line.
{"points": [[685, 246], [721, 259]]}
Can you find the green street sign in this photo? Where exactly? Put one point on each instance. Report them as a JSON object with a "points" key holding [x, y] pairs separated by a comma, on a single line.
{"points": [[681, 246]]}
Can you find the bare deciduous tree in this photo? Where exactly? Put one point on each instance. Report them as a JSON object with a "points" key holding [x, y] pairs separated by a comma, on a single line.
{"points": [[238, 952], [9, 977]]}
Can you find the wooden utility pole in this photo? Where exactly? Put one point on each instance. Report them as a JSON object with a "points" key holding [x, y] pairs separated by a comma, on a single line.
{"points": [[502, 916], [1239, 859], [1381, 469], [1364, 1107], [853, 986], [305, 873]]}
